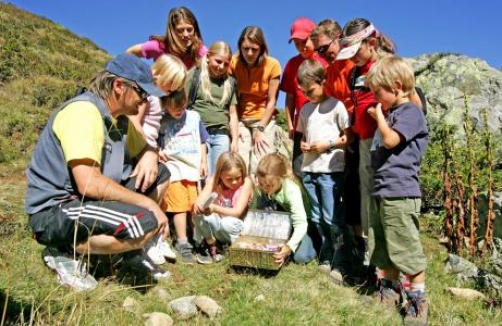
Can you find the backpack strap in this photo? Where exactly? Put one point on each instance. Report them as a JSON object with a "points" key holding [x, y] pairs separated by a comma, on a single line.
{"points": [[194, 87], [352, 87]]}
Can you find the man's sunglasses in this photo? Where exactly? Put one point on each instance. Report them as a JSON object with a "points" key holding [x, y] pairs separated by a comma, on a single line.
{"points": [[141, 92], [324, 48]]}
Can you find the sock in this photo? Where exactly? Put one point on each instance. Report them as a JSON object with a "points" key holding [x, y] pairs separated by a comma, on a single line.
{"points": [[182, 241], [418, 288]]}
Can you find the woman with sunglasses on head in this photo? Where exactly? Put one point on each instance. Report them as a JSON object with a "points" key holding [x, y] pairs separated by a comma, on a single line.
{"points": [[182, 39], [257, 76]]}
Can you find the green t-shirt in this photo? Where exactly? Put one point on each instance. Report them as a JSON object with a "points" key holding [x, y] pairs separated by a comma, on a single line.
{"points": [[211, 112]]}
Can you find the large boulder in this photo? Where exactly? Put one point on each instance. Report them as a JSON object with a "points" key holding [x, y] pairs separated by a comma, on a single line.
{"points": [[452, 80]]}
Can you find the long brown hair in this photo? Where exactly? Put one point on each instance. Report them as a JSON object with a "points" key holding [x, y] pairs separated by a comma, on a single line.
{"points": [[171, 40], [358, 24], [255, 35], [228, 161]]}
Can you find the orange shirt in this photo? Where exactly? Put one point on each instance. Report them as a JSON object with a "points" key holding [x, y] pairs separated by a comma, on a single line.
{"points": [[337, 82], [252, 85]]}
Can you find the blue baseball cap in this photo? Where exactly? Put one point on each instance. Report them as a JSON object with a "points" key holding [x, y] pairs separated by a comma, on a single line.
{"points": [[131, 67]]}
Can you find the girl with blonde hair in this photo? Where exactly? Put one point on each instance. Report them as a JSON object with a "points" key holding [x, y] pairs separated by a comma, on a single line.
{"points": [[222, 220], [278, 189], [211, 93]]}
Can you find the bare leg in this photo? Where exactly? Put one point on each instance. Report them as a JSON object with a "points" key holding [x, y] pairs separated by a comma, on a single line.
{"points": [[106, 244], [417, 278], [180, 224]]}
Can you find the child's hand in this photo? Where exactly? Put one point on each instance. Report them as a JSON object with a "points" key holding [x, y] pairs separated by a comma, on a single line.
{"points": [[375, 111], [319, 146], [162, 156], [305, 147], [283, 253]]}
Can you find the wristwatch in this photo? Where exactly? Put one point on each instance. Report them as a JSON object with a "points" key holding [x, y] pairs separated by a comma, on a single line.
{"points": [[331, 145], [260, 128]]}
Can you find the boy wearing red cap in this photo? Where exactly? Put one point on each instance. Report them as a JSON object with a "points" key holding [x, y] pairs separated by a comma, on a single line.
{"points": [[295, 99]]}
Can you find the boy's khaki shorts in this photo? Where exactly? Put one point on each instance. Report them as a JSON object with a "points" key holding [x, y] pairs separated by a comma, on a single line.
{"points": [[180, 196], [393, 234]]}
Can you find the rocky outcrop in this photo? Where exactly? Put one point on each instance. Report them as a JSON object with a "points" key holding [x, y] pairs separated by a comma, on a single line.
{"points": [[449, 79]]}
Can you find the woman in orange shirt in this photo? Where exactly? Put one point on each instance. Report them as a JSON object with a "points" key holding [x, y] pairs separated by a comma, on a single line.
{"points": [[257, 76]]}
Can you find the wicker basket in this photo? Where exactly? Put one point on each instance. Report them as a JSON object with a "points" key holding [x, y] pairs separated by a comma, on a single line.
{"points": [[263, 232]]}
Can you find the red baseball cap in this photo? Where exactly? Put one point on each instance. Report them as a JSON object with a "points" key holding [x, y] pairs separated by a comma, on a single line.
{"points": [[301, 29]]}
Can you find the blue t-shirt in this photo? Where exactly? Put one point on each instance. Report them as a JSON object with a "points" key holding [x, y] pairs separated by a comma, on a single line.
{"points": [[397, 169]]}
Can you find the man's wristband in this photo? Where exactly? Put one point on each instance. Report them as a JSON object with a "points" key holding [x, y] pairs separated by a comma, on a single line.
{"points": [[259, 128], [331, 145]]}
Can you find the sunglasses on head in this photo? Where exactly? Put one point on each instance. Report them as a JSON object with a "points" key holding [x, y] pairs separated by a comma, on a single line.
{"points": [[141, 92], [324, 48]]}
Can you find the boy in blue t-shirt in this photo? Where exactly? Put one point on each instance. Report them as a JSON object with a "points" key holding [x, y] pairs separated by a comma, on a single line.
{"points": [[398, 147]]}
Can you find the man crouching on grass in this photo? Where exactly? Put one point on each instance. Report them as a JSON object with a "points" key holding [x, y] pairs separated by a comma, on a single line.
{"points": [[93, 183]]}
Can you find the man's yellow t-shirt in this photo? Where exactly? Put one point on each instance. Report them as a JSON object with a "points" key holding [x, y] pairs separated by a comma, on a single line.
{"points": [[79, 128]]}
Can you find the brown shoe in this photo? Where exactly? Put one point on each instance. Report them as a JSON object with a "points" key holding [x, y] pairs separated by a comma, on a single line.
{"points": [[415, 310], [388, 295]]}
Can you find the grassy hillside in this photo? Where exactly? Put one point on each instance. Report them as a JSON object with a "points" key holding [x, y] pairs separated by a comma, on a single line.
{"points": [[41, 63]]}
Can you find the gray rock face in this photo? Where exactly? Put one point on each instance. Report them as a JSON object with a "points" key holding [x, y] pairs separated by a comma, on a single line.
{"points": [[446, 78]]}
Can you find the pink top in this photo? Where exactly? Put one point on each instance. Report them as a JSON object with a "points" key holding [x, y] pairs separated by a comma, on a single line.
{"points": [[228, 197], [153, 49], [151, 121]]}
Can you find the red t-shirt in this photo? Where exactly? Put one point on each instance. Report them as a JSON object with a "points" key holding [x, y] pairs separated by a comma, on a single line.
{"points": [[365, 125], [289, 82], [337, 82]]}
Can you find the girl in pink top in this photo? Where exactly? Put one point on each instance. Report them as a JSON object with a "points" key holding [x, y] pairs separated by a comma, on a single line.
{"points": [[222, 220], [182, 39]]}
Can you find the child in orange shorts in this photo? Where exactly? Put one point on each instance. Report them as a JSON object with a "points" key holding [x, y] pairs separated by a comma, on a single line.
{"points": [[183, 149]]}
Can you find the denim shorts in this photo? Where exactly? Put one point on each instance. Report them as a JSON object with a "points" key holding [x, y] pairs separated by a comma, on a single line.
{"points": [[393, 234]]}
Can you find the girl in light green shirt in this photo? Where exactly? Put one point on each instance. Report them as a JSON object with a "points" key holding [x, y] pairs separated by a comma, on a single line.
{"points": [[277, 185]]}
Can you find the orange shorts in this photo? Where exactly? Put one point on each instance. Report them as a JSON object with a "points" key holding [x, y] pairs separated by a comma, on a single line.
{"points": [[180, 196]]}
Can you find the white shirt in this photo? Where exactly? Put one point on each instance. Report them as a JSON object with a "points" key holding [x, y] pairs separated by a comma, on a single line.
{"points": [[323, 122]]}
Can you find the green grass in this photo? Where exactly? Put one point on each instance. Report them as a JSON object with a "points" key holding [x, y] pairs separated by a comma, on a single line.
{"points": [[298, 295]]}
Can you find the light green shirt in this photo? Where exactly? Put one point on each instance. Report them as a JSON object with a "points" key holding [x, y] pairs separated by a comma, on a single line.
{"points": [[291, 199]]}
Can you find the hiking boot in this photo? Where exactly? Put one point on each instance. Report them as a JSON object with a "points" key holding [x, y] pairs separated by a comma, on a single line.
{"points": [[139, 264], [416, 309], [72, 273], [203, 256], [324, 267], [388, 295], [153, 251], [185, 250]]}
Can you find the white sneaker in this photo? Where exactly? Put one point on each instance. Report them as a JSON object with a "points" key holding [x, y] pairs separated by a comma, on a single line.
{"points": [[153, 251], [70, 272], [165, 249]]}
